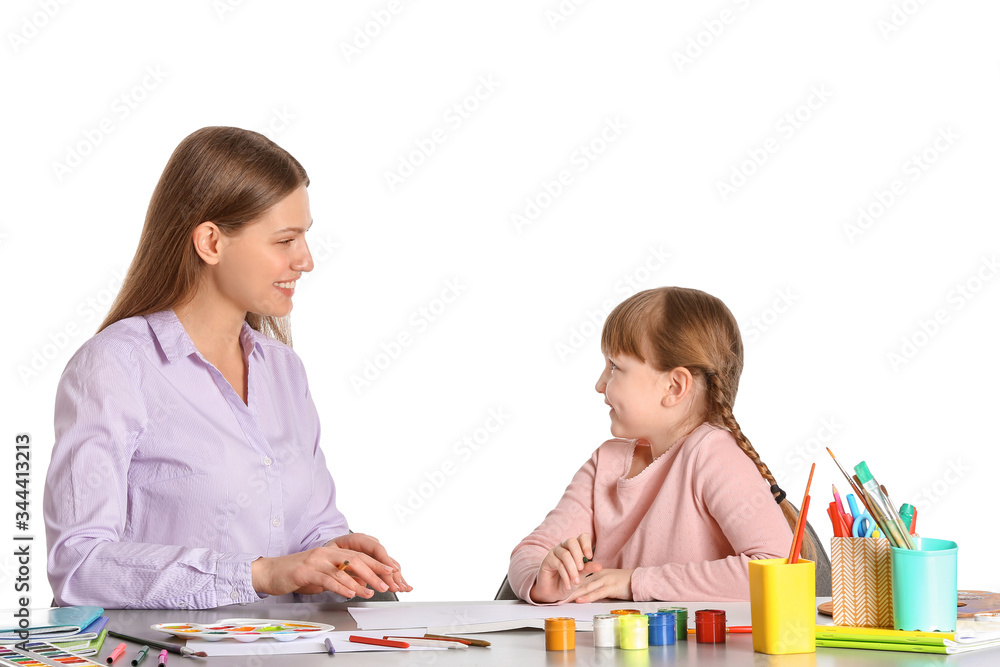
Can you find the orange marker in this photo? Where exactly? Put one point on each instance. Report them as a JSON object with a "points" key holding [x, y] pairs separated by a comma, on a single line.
{"points": [[343, 566]]}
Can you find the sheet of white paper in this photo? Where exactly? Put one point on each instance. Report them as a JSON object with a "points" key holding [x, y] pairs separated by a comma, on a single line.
{"points": [[459, 617], [311, 644]]}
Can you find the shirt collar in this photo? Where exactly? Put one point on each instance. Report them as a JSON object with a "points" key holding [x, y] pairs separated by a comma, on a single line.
{"points": [[173, 339]]}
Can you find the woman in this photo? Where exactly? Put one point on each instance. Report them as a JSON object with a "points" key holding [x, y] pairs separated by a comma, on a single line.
{"points": [[187, 471]]}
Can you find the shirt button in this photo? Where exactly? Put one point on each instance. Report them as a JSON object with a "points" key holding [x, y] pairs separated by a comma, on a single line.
{"points": [[267, 461], [234, 595], [275, 522]]}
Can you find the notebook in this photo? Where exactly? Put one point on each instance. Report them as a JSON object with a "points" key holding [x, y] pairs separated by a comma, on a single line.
{"points": [[50, 623], [968, 636]]}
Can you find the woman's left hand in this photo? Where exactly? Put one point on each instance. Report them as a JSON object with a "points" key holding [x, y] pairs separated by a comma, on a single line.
{"points": [[615, 584], [367, 544]]}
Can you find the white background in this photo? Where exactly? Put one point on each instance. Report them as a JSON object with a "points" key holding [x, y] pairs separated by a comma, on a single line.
{"points": [[807, 111]]}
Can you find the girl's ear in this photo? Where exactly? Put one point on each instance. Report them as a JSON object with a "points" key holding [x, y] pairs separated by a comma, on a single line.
{"points": [[675, 385], [206, 238]]}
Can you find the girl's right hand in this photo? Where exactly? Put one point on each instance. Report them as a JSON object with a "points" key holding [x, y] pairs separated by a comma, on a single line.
{"points": [[316, 570], [561, 568]]}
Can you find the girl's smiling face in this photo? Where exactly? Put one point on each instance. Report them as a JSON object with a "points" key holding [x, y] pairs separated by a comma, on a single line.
{"points": [[634, 390]]}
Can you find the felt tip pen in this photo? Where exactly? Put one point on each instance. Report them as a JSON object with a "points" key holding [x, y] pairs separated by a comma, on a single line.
{"points": [[117, 653], [329, 646], [908, 513], [343, 566], [140, 656], [163, 658], [374, 641]]}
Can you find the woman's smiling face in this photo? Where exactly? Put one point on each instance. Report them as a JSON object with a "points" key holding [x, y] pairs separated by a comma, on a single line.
{"points": [[258, 268]]}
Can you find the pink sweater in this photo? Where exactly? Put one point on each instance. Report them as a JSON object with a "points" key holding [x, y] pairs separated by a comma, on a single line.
{"points": [[689, 523]]}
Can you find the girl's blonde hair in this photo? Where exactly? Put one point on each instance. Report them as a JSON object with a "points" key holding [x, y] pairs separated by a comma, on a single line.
{"points": [[227, 175], [677, 327]]}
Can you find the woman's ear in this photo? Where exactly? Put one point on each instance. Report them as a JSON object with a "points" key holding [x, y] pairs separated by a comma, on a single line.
{"points": [[207, 238], [675, 384]]}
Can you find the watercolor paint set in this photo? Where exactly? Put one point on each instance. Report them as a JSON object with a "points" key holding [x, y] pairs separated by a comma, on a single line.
{"points": [[40, 654]]}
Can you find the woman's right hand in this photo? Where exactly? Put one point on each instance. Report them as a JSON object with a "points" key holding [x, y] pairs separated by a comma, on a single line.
{"points": [[316, 570], [562, 567]]}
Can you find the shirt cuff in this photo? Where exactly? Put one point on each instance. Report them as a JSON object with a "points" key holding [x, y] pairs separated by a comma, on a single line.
{"points": [[233, 580]]}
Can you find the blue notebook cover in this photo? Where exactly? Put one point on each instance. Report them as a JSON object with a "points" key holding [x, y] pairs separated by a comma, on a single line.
{"points": [[50, 623]]}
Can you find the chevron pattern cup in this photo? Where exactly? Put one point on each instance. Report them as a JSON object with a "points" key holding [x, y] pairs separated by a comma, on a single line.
{"points": [[862, 582]]}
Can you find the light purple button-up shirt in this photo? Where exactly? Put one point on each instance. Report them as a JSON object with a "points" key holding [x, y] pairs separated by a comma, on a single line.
{"points": [[164, 486]]}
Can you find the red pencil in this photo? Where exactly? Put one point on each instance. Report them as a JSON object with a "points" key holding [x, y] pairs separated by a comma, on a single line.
{"points": [[375, 641]]}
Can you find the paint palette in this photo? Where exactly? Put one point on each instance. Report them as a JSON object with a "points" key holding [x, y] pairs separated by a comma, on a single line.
{"points": [[244, 629]]}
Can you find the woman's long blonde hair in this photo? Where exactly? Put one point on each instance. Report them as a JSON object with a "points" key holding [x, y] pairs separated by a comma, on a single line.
{"points": [[677, 327], [227, 175]]}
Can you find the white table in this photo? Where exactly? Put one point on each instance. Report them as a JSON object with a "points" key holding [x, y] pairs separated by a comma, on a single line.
{"points": [[523, 648]]}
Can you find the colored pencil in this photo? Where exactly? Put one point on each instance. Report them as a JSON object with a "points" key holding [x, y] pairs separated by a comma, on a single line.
{"points": [[797, 543], [793, 555]]}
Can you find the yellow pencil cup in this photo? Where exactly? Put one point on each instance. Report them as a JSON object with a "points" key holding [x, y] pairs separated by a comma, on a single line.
{"points": [[783, 606]]}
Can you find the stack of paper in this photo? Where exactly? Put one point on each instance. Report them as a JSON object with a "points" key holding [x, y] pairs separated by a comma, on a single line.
{"points": [[968, 636], [77, 629]]}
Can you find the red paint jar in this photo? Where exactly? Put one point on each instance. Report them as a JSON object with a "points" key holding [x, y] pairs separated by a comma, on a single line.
{"points": [[710, 626]]}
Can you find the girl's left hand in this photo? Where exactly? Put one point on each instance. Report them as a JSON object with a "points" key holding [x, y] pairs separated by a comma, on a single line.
{"points": [[615, 584], [367, 544]]}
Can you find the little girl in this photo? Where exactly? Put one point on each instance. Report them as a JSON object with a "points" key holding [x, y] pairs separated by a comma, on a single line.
{"points": [[677, 504]]}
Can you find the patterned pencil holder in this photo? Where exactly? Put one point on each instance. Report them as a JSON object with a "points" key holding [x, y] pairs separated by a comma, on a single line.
{"points": [[862, 581]]}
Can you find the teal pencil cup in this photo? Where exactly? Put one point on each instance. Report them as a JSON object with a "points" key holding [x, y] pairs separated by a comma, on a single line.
{"points": [[925, 586]]}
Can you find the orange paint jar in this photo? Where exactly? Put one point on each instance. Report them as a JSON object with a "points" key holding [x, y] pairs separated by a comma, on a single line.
{"points": [[560, 634]]}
